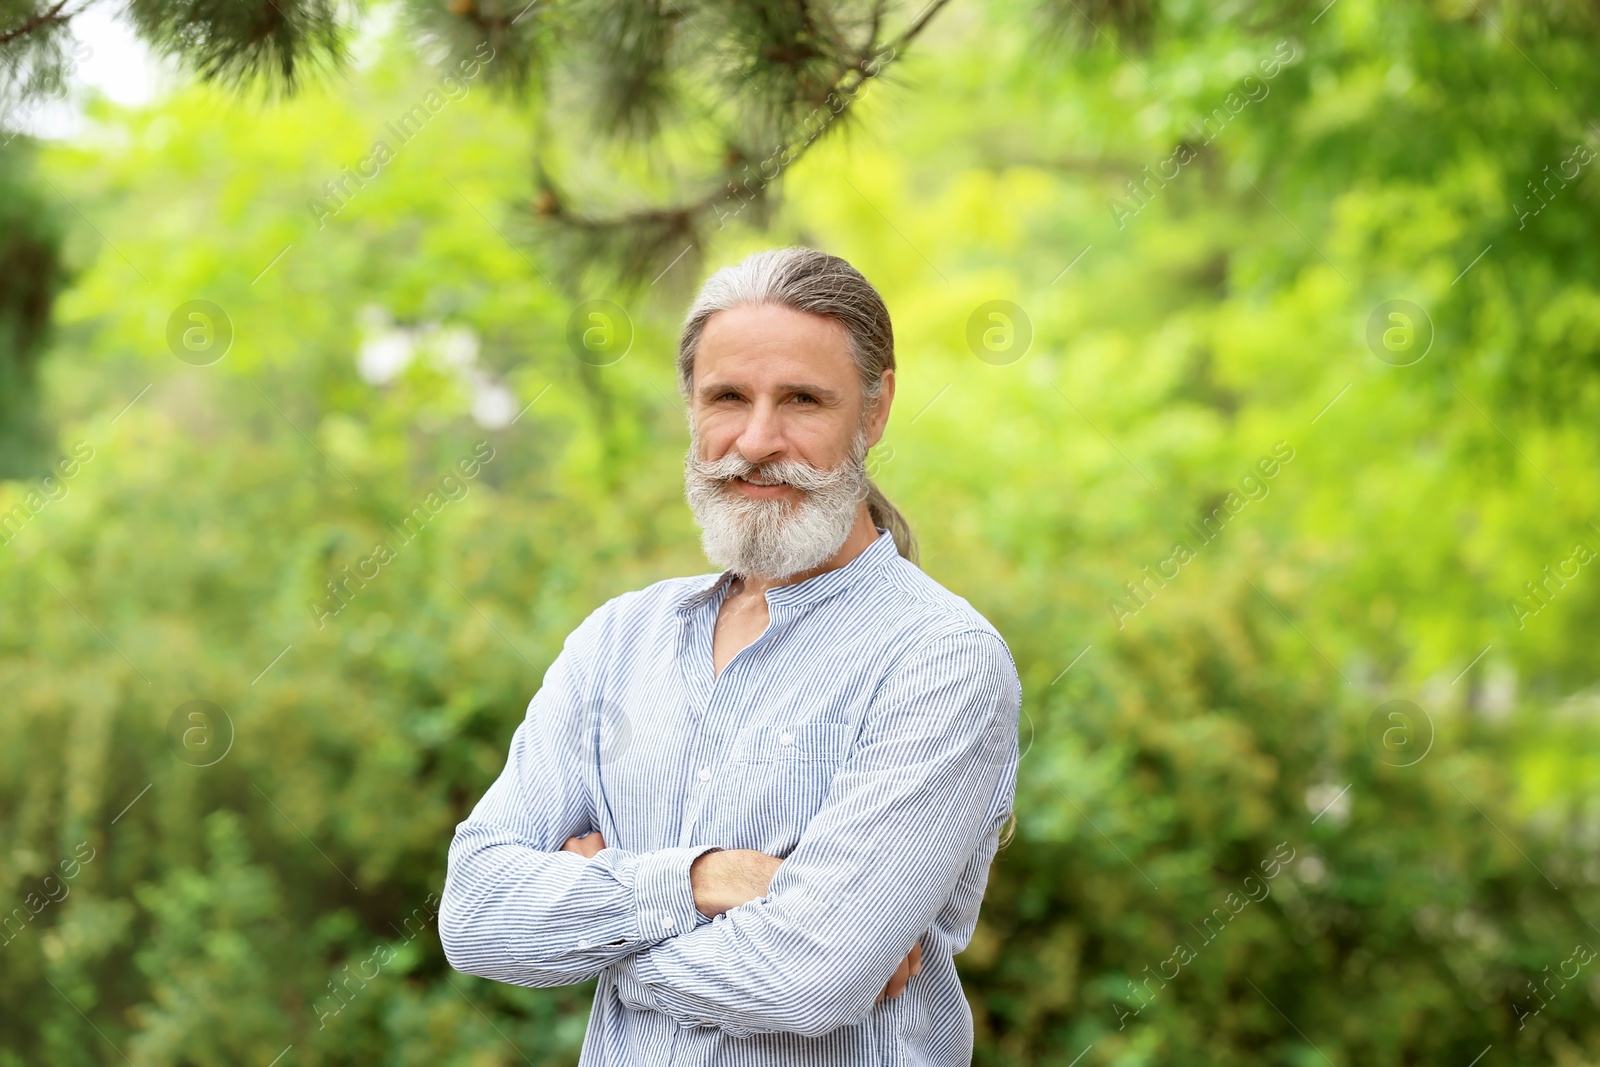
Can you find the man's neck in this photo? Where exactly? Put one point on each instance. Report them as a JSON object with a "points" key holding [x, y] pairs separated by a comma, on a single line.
{"points": [[860, 538]]}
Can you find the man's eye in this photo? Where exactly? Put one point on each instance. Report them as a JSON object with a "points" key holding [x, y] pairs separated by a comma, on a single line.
{"points": [[805, 398]]}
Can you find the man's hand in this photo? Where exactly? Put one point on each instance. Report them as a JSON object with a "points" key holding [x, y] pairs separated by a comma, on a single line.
{"points": [[909, 968], [719, 880], [587, 845], [729, 877], [725, 879]]}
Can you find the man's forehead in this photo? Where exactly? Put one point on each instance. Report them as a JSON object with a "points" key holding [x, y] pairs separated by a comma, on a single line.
{"points": [[775, 345], [771, 320]]}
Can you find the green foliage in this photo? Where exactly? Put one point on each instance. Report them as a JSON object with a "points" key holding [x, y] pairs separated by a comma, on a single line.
{"points": [[30, 263], [243, 44], [1210, 757]]}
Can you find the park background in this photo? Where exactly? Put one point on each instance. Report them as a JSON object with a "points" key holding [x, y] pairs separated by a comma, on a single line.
{"points": [[1138, 254]]}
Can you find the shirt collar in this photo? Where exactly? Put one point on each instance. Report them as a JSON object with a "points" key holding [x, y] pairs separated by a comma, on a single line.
{"points": [[810, 591]]}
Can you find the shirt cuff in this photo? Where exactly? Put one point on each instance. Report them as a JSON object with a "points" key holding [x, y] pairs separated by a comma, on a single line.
{"points": [[663, 896]]}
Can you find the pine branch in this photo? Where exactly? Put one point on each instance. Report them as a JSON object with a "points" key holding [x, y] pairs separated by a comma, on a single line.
{"points": [[44, 18], [918, 25], [239, 42], [637, 245], [1086, 20], [872, 28], [507, 38]]}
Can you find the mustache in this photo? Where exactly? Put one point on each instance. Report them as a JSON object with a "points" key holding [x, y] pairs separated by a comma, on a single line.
{"points": [[802, 476]]}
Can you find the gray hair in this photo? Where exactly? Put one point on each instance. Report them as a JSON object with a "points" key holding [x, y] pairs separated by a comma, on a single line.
{"points": [[805, 279]]}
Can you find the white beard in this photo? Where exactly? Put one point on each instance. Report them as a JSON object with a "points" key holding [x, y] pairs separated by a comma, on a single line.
{"points": [[768, 538]]}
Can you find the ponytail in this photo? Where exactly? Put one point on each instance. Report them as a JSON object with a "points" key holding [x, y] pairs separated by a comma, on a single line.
{"points": [[887, 516]]}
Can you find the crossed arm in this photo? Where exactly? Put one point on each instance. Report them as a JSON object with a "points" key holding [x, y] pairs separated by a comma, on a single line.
{"points": [[736, 939], [727, 878]]}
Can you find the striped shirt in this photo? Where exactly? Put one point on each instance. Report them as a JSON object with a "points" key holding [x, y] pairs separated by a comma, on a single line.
{"points": [[868, 738]]}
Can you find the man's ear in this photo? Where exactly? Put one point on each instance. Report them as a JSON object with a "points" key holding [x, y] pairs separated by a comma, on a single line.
{"points": [[879, 419]]}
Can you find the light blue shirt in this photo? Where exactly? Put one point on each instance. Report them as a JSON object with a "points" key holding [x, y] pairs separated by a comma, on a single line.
{"points": [[868, 737]]}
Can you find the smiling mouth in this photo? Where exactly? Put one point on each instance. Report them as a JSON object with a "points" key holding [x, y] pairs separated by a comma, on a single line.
{"points": [[751, 486]]}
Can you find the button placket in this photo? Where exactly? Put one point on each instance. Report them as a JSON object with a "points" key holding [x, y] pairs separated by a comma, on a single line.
{"points": [[720, 699], [699, 690], [694, 798]]}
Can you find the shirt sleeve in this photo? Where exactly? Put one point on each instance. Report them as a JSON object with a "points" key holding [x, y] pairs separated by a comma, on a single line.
{"points": [[905, 814], [515, 907]]}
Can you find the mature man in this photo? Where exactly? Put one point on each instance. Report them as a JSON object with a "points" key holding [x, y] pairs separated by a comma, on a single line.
{"points": [[760, 806]]}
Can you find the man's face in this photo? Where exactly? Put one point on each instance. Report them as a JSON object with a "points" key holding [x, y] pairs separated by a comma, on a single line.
{"points": [[775, 384], [780, 431]]}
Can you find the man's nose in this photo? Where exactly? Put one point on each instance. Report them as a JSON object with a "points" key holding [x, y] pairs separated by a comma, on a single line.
{"points": [[762, 439]]}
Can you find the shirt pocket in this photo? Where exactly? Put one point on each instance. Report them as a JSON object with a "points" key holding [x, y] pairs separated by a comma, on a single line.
{"points": [[774, 781], [810, 742]]}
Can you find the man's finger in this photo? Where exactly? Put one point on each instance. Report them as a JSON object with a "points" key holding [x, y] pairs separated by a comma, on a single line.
{"points": [[902, 975], [586, 844], [889, 991]]}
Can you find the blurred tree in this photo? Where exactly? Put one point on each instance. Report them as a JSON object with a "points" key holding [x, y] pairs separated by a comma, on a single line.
{"points": [[768, 79], [1431, 908], [31, 274]]}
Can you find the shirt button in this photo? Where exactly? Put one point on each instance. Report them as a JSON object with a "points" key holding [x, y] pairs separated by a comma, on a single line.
{"points": [[705, 774], [785, 738], [667, 922], [584, 943]]}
